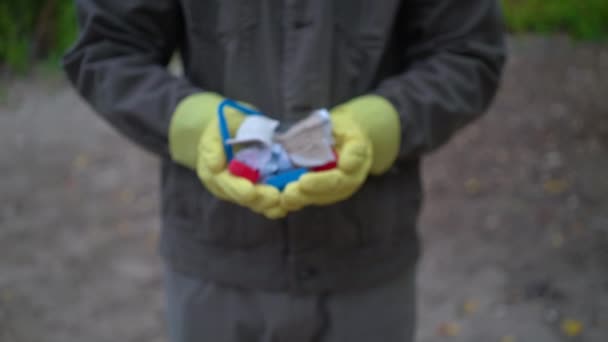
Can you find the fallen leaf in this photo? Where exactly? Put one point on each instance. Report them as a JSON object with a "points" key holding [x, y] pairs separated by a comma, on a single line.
{"points": [[152, 238], [578, 228], [470, 306], [502, 156], [7, 296], [472, 185], [123, 228], [557, 239], [70, 183], [572, 327], [555, 186], [126, 197], [81, 162], [507, 338], [449, 329]]}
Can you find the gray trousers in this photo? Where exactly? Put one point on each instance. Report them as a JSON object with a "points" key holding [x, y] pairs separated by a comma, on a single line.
{"points": [[201, 311]]}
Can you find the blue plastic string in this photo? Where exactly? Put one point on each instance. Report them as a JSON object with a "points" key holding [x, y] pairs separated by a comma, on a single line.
{"points": [[224, 131]]}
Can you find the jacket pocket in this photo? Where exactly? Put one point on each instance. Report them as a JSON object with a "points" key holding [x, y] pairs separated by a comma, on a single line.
{"points": [[356, 58], [226, 225], [179, 188], [216, 18], [189, 208], [221, 44], [387, 208]]}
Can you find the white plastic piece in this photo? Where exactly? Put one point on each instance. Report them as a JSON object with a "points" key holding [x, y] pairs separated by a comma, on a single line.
{"points": [[255, 129]]}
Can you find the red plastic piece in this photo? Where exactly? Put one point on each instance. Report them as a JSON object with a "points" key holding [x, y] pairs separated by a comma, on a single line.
{"points": [[331, 165], [241, 169]]}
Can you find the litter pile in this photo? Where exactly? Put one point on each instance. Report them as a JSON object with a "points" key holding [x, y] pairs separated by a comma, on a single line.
{"points": [[270, 157]]}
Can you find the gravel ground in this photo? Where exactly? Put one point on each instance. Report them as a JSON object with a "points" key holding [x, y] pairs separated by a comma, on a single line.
{"points": [[515, 224]]}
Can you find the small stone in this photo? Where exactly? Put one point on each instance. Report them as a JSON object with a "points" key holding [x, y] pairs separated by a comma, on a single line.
{"points": [[500, 313], [543, 289], [492, 222], [553, 160], [594, 145], [559, 110], [573, 202], [502, 156], [599, 223], [551, 315]]}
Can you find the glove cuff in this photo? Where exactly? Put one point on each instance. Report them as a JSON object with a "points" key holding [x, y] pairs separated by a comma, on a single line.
{"points": [[188, 122], [380, 120]]}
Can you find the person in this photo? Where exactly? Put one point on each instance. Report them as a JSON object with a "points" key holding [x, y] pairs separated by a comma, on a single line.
{"points": [[332, 257]]}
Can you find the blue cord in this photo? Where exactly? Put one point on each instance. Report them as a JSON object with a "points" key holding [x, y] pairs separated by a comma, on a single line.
{"points": [[224, 131]]}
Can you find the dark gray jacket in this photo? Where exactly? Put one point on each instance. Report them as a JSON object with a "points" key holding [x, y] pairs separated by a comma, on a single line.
{"points": [[437, 61]]}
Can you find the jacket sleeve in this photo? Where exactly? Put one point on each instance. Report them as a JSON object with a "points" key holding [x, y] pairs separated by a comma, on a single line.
{"points": [[454, 52], [118, 65]]}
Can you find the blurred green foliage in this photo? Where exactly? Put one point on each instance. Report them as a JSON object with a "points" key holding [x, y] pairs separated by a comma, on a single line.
{"points": [[66, 28], [43, 29], [35, 29], [583, 19], [16, 23]]}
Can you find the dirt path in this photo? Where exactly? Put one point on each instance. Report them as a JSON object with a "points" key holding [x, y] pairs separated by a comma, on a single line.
{"points": [[515, 224]]}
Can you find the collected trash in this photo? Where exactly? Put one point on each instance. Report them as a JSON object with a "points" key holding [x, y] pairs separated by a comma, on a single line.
{"points": [[309, 142], [277, 159]]}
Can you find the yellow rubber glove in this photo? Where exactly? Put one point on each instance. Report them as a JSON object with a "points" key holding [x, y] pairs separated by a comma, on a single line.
{"points": [[189, 120], [212, 170], [195, 142], [367, 132]]}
